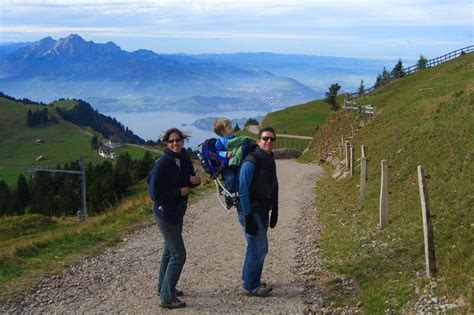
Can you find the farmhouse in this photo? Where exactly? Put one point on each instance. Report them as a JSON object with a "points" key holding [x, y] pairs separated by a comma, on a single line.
{"points": [[107, 152], [114, 142]]}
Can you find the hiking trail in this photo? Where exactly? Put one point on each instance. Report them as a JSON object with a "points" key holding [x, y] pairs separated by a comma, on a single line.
{"points": [[122, 279]]}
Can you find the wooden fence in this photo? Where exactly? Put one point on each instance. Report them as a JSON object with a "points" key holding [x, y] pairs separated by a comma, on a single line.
{"points": [[412, 69]]}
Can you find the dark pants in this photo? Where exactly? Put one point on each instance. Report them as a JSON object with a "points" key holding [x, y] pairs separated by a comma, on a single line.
{"points": [[172, 262]]}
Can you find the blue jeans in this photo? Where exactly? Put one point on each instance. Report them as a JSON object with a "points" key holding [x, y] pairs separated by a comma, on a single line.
{"points": [[228, 173], [257, 250], [172, 262]]}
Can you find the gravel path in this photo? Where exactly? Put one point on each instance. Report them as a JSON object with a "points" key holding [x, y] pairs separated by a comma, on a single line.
{"points": [[123, 278]]}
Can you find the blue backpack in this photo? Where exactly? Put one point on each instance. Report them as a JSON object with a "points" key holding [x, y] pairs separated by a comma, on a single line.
{"points": [[210, 161]]}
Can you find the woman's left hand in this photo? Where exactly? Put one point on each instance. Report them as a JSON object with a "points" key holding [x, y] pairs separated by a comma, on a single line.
{"points": [[195, 180]]}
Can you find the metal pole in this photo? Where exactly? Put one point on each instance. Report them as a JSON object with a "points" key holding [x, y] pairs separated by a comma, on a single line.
{"points": [[83, 187]]}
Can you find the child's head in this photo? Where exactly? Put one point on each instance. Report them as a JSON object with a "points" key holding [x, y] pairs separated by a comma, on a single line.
{"points": [[223, 127]]}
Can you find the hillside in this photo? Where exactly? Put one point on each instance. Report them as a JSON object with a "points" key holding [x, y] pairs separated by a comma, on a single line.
{"points": [[424, 119], [63, 142], [300, 120]]}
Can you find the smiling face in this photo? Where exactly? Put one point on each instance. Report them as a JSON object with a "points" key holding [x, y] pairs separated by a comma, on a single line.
{"points": [[266, 141], [175, 143]]}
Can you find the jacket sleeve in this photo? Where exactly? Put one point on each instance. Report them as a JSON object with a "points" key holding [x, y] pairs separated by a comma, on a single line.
{"points": [[192, 172], [220, 148], [274, 196], [246, 173]]}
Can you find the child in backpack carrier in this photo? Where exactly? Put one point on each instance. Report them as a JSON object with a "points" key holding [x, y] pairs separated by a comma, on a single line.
{"points": [[231, 150]]}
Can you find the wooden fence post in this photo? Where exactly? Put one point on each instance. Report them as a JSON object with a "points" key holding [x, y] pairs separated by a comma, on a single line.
{"points": [[351, 160], [363, 177], [342, 145], [362, 151], [383, 195], [346, 152], [430, 260]]}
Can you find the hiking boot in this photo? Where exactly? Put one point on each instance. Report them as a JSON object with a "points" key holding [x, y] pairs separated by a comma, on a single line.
{"points": [[172, 305], [260, 291]]}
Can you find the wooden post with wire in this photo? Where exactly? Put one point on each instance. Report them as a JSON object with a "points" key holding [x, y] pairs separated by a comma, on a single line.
{"points": [[383, 205], [430, 259]]}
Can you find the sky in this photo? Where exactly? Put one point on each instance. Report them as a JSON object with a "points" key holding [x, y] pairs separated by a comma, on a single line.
{"points": [[387, 29]]}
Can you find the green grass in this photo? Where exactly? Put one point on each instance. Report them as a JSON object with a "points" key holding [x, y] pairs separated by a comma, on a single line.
{"points": [[300, 120], [435, 129], [282, 141], [64, 142], [34, 245]]}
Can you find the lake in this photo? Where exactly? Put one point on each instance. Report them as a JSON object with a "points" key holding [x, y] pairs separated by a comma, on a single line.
{"points": [[152, 125]]}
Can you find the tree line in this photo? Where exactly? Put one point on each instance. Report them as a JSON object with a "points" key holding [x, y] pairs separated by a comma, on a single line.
{"points": [[82, 114], [59, 194], [39, 118]]}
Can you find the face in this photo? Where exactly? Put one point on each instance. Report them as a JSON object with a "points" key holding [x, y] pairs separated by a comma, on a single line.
{"points": [[265, 142], [228, 130], [175, 143]]}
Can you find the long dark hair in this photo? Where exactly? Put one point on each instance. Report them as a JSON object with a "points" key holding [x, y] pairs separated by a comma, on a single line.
{"points": [[166, 136]]}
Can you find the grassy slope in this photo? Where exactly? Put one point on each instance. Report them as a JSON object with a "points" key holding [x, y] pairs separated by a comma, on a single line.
{"points": [[434, 128], [64, 142], [300, 120], [33, 245]]}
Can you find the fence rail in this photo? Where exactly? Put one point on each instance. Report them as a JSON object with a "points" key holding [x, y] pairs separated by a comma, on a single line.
{"points": [[412, 69]]}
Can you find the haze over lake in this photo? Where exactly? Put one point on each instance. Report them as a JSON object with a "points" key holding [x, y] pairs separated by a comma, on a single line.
{"points": [[152, 125]]}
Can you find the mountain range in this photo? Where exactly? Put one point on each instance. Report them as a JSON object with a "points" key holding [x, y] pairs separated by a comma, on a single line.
{"points": [[112, 79]]}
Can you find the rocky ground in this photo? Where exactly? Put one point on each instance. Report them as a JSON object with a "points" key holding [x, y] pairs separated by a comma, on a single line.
{"points": [[123, 278]]}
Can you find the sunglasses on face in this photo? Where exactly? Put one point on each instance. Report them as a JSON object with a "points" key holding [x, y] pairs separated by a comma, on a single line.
{"points": [[272, 139], [174, 140]]}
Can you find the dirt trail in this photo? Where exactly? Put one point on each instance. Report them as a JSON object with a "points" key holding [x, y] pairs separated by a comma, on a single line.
{"points": [[122, 279]]}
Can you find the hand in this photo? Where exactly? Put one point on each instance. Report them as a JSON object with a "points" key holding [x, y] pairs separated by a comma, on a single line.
{"points": [[250, 225], [230, 154], [184, 191], [195, 180], [274, 218]]}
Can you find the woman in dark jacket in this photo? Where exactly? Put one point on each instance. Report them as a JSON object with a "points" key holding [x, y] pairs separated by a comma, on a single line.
{"points": [[169, 183]]}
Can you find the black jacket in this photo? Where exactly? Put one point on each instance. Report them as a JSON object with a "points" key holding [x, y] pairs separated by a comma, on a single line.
{"points": [[264, 188], [164, 182]]}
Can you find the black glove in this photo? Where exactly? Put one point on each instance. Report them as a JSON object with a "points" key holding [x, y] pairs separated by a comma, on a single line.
{"points": [[274, 218], [250, 225]]}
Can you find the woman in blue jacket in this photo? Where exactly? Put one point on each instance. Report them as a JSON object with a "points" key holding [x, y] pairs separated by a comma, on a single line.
{"points": [[169, 183]]}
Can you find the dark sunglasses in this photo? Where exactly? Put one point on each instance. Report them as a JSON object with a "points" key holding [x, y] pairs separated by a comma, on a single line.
{"points": [[272, 139], [174, 140]]}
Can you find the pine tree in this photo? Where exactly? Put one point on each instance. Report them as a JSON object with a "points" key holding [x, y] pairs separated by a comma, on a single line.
{"points": [[361, 88], [331, 96], [397, 71], [23, 191], [422, 62]]}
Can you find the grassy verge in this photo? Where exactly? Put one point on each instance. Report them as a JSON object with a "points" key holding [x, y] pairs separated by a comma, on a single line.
{"points": [[34, 245], [433, 129]]}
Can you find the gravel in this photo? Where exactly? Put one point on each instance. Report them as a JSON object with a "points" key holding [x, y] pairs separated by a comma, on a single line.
{"points": [[122, 279]]}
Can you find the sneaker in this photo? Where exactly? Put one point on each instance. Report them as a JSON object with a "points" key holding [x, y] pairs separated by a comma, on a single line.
{"points": [[172, 305], [260, 291]]}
